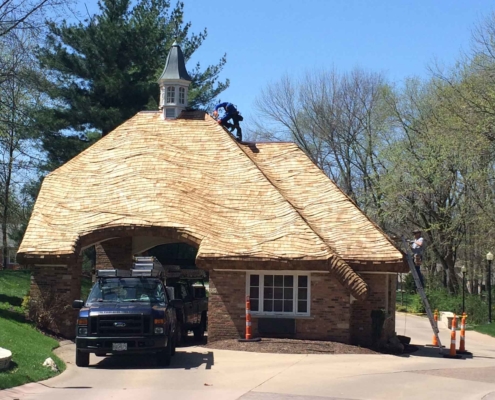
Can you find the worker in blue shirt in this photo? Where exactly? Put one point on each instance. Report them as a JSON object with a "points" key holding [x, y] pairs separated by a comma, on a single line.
{"points": [[230, 113]]}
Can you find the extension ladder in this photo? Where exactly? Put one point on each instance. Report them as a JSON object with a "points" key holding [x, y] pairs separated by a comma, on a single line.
{"points": [[421, 292]]}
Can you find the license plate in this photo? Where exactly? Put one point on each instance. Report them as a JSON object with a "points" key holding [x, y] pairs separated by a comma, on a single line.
{"points": [[119, 346]]}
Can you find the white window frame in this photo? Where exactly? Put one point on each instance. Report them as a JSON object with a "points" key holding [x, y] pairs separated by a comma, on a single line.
{"points": [[182, 95], [170, 94], [295, 299]]}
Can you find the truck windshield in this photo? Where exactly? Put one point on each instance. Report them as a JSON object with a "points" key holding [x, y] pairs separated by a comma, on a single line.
{"points": [[127, 290]]}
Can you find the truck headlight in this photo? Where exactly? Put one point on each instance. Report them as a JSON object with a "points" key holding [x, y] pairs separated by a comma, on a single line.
{"points": [[82, 331], [158, 330]]}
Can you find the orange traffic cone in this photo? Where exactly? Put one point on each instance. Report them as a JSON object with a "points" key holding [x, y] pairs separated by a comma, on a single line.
{"points": [[452, 337], [248, 318], [249, 336], [462, 339]]}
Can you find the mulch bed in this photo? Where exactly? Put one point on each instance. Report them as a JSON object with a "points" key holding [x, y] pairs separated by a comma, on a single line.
{"points": [[289, 346]]}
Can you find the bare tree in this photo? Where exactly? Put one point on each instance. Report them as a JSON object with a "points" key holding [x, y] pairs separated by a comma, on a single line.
{"points": [[17, 98], [339, 120]]}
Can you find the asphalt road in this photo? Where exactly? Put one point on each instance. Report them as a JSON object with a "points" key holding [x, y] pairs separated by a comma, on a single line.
{"points": [[199, 373]]}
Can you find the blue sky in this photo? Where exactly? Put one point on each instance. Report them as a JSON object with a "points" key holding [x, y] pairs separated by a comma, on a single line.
{"points": [[267, 39]]}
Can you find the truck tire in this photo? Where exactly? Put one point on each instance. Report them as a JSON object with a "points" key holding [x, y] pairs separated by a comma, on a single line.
{"points": [[180, 334], [82, 359], [164, 357], [199, 331], [174, 343]]}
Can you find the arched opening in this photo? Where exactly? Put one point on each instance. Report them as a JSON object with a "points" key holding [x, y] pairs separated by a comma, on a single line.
{"points": [[179, 253]]}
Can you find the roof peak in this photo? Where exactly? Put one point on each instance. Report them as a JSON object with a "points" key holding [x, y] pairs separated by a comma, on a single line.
{"points": [[175, 66]]}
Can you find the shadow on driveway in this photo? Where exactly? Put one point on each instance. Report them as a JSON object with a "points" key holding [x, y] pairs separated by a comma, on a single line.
{"points": [[181, 360], [417, 350]]}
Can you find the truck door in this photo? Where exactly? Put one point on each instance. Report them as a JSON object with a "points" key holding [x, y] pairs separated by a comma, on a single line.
{"points": [[188, 304]]}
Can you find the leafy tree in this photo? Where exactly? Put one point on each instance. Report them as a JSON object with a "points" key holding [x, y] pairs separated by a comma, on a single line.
{"points": [[100, 72]]}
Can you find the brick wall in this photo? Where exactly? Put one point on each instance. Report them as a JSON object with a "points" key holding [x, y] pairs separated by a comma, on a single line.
{"points": [[330, 309], [52, 291], [226, 305], [114, 254], [361, 326]]}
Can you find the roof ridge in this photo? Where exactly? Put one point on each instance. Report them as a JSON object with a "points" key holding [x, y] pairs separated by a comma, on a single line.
{"points": [[337, 263]]}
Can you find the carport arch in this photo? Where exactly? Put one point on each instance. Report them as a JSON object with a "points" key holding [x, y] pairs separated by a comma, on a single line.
{"points": [[56, 279]]}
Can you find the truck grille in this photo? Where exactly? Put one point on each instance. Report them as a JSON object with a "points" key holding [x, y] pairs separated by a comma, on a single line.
{"points": [[120, 325]]}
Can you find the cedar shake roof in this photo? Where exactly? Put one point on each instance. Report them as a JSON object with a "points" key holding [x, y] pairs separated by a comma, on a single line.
{"points": [[329, 212], [191, 175]]}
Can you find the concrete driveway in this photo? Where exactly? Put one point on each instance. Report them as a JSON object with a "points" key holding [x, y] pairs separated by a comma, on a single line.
{"points": [[199, 373]]}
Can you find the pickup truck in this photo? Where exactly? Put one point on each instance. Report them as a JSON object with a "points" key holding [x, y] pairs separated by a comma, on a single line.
{"points": [[128, 312], [192, 314]]}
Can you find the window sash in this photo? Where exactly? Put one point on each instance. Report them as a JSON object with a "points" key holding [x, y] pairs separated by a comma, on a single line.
{"points": [[182, 95], [298, 289], [170, 95]]}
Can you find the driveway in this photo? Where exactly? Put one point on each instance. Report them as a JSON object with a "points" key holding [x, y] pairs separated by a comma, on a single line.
{"points": [[198, 373]]}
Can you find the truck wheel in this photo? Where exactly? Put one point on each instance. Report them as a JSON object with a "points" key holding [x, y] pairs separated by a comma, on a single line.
{"points": [[164, 357], [199, 332], [180, 334], [174, 343], [82, 359]]}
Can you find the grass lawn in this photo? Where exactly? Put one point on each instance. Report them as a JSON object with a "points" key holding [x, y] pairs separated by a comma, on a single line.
{"points": [[488, 329], [29, 347]]}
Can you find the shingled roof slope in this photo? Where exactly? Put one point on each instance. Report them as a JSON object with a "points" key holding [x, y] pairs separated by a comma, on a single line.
{"points": [[186, 173], [332, 214]]}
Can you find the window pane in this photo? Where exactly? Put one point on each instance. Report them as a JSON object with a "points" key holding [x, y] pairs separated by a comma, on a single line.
{"points": [[268, 293], [302, 306], [279, 280], [268, 280], [254, 293], [288, 294], [254, 305], [279, 293], [288, 306], [288, 281], [254, 280], [302, 294], [277, 305], [268, 305], [302, 281]]}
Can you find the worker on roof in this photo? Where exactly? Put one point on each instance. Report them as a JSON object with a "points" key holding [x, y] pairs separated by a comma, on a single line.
{"points": [[232, 113]]}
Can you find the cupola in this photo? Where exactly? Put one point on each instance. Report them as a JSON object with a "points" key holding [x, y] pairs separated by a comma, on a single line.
{"points": [[174, 84]]}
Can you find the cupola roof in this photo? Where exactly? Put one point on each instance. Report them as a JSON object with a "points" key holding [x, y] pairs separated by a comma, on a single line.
{"points": [[175, 66]]}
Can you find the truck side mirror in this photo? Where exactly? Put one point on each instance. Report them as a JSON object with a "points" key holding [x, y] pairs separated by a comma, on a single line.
{"points": [[78, 304], [177, 303]]}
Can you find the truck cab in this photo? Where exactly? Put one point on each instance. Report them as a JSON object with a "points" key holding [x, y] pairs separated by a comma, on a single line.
{"points": [[128, 312]]}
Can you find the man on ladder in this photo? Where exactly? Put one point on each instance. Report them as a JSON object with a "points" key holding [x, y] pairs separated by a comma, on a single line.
{"points": [[418, 248]]}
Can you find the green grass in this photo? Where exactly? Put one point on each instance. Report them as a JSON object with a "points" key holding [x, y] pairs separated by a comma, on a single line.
{"points": [[488, 329], [29, 347], [14, 286]]}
